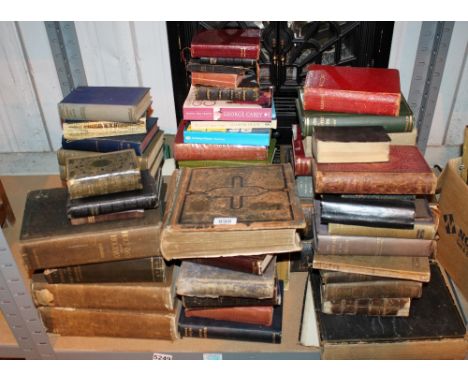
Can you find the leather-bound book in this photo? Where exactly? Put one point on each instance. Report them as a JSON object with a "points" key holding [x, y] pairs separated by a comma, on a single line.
{"points": [[228, 330], [148, 269], [226, 61], [122, 215], [302, 160], [350, 144], [207, 93], [372, 289], [367, 212], [434, 328], [333, 277], [137, 296], [249, 264], [215, 212], [110, 323], [221, 80], [397, 307], [235, 43], [400, 267], [49, 240], [407, 172], [103, 174], [146, 198], [195, 66], [260, 315], [207, 281], [347, 89], [191, 151]]}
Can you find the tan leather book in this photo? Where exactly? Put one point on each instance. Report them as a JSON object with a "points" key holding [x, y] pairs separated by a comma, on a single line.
{"points": [[148, 296], [401, 267], [398, 307], [110, 323], [231, 212], [258, 315]]}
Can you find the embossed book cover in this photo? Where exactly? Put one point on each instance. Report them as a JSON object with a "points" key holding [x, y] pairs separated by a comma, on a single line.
{"points": [[231, 211]]}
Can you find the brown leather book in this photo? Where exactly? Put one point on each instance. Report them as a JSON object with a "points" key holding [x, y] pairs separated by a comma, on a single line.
{"points": [[49, 240], [220, 80], [155, 297], [110, 323], [372, 289], [122, 215], [398, 307], [332, 277], [407, 172], [259, 315], [401, 267], [249, 264], [213, 212]]}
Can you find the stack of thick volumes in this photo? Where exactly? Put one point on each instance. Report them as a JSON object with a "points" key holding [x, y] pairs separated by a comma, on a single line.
{"points": [[374, 226], [105, 119], [228, 225], [347, 96], [227, 116]]}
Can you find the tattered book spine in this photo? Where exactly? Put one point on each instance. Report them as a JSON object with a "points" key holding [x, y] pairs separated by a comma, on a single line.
{"points": [[233, 61], [369, 306], [226, 301], [122, 215], [203, 93], [259, 315], [424, 231], [83, 130]]}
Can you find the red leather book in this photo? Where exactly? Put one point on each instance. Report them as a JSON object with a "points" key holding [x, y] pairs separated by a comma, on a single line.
{"points": [[302, 163], [260, 315], [352, 90], [220, 80], [190, 151], [407, 172], [231, 43]]}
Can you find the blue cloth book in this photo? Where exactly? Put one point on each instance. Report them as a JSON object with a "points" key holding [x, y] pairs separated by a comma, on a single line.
{"points": [[257, 137], [105, 103], [138, 142]]}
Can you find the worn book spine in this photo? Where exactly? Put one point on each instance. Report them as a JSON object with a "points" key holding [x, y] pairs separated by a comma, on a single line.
{"points": [[247, 264], [101, 145], [154, 297], [259, 315], [206, 93], [148, 269], [372, 289], [97, 112], [373, 246], [302, 163], [122, 215], [193, 66], [222, 80], [102, 129], [231, 50], [399, 307], [332, 277], [424, 231], [246, 62], [94, 247], [227, 301], [109, 323], [302, 261], [307, 205]]}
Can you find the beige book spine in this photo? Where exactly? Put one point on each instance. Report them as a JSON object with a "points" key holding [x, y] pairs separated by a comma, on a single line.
{"points": [[419, 231]]}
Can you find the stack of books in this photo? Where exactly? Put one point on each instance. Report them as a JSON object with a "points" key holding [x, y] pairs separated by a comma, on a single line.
{"points": [[92, 250], [227, 117], [97, 119], [374, 225], [228, 225]]}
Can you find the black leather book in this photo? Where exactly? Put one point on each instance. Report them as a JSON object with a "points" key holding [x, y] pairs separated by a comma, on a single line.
{"points": [[434, 326], [368, 212], [148, 269], [226, 330], [146, 198]]}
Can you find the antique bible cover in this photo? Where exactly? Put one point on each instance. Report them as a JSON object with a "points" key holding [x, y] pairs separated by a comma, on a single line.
{"points": [[434, 328], [213, 212], [407, 172]]}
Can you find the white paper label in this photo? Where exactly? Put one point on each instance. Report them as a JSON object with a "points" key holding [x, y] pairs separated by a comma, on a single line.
{"points": [[162, 357], [218, 221]]}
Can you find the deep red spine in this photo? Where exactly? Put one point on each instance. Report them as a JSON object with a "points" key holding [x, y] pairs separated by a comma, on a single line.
{"points": [[229, 51]]}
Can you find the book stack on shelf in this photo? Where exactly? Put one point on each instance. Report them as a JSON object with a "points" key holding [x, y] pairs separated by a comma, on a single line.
{"points": [[374, 224], [98, 119], [228, 225], [227, 117]]}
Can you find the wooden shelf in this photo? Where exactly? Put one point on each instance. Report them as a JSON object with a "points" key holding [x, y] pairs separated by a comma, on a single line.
{"points": [[17, 188]]}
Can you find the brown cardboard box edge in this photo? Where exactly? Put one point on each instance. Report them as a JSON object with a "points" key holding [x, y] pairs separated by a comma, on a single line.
{"points": [[452, 251]]}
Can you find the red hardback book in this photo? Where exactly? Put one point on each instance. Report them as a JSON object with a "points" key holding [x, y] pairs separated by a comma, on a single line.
{"points": [[352, 90], [220, 80], [259, 315], [407, 172], [302, 163], [235, 43], [191, 151]]}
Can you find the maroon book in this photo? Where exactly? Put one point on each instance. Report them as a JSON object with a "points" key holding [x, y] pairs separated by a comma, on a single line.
{"points": [[352, 90], [195, 151], [302, 163], [407, 172], [259, 315], [248, 264], [232, 43]]}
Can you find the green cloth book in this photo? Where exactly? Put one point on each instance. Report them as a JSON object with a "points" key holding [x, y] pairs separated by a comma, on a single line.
{"points": [[309, 118], [231, 163]]}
